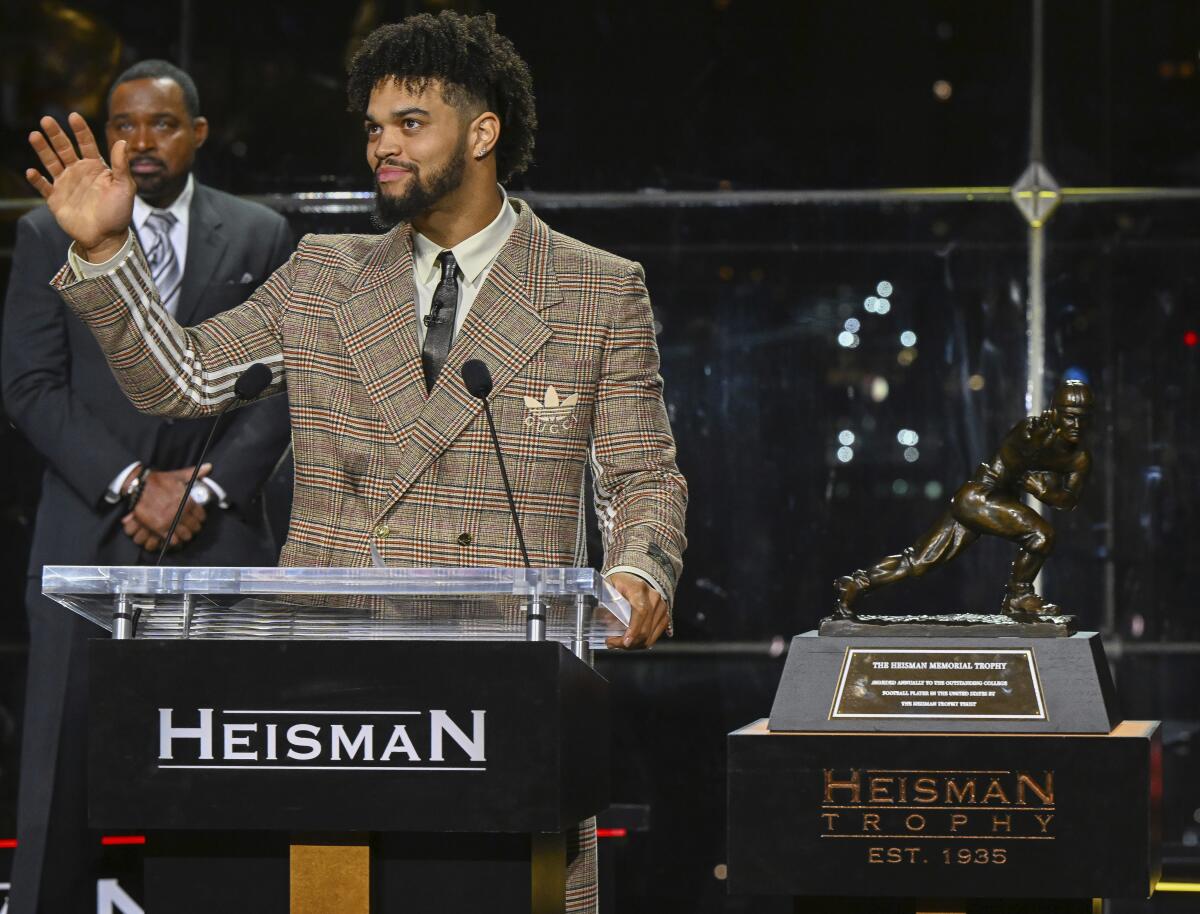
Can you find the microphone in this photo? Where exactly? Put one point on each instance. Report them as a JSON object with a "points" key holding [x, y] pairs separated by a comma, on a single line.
{"points": [[478, 379], [250, 383], [253, 381]]}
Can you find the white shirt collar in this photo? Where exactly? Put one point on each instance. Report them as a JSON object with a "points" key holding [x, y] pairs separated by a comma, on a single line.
{"points": [[142, 209], [474, 254]]}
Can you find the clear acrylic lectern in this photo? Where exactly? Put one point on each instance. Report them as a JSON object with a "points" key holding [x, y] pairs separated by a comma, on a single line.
{"points": [[574, 606]]}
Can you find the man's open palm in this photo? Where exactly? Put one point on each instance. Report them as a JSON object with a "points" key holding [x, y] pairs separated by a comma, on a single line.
{"points": [[91, 202]]}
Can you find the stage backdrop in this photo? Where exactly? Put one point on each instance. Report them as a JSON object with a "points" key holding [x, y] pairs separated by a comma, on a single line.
{"points": [[853, 296]]}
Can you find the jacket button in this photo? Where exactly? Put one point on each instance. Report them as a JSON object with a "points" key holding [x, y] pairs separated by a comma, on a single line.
{"points": [[382, 531], [464, 539]]}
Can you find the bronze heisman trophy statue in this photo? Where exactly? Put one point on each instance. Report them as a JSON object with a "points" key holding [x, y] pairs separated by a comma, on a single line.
{"points": [[1042, 456]]}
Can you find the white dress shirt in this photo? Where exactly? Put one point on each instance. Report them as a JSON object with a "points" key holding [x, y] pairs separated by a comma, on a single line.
{"points": [[474, 257], [179, 231]]}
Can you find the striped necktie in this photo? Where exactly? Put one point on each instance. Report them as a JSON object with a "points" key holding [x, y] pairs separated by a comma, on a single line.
{"points": [[164, 265]]}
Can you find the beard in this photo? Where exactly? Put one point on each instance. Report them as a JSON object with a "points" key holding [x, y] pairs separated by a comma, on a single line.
{"points": [[158, 187], [422, 194]]}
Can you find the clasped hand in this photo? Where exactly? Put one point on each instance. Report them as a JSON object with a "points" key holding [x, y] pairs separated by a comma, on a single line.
{"points": [[151, 517]]}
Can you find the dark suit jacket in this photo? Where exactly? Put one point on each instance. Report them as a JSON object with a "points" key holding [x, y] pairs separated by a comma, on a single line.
{"points": [[59, 390]]}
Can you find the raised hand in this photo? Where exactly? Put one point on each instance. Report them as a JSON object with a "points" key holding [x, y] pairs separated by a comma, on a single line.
{"points": [[91, 202]]}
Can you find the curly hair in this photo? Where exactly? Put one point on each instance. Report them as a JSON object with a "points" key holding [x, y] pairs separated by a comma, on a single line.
{"points": [[478, 68]]}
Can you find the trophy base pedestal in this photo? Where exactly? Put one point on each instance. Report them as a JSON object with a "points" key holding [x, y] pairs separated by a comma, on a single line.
{"points": [[947, 684], [948, 816]]}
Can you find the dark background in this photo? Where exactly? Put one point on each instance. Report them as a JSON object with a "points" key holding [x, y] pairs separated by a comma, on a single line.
{"points": [[928, 106]]}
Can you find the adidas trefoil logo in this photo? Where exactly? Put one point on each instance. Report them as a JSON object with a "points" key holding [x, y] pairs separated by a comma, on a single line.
{"points": [[553, 415]]}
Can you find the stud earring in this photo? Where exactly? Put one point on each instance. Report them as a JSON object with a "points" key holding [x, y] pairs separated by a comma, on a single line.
{"points": [[481, 153]]}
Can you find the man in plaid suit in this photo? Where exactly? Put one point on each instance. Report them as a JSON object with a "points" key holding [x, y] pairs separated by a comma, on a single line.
{"points": [[366, 335]]}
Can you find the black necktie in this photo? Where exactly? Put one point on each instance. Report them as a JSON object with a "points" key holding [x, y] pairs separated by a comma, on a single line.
{"points": [[439, 323]]}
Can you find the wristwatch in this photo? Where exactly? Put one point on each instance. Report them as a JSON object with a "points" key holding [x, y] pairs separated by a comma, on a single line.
{"points": [[201, 494], [134, 492]]}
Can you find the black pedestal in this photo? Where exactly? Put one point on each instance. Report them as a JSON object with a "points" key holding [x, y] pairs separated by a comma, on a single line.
{"points": [[202, 872], [466, 762], [440, 873], [902, 774], [933, 816]]}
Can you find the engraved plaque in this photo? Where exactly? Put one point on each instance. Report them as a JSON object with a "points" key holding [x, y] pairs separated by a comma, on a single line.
{"points": [[916, 682]]}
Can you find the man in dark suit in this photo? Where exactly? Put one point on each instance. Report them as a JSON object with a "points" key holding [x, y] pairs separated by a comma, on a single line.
{"points": [[114, 477]]}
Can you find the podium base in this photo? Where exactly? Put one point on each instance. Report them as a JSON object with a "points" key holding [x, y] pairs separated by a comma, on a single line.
{"points": [[440, 873], [414, 873], [202, 872]]}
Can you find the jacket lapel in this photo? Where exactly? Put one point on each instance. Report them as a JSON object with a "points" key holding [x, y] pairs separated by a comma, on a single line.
{"points": [[378, 326], [205, 249], [503, 329]]}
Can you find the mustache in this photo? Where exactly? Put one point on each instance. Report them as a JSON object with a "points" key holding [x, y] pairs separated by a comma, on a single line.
{"points": [[137, 160], [397, 163]]}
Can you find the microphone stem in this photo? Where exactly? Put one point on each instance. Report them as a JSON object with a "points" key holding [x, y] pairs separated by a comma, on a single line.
{"points": [[187, 492], [512, 505]]}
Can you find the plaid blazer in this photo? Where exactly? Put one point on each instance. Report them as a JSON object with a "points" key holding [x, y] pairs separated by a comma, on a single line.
{"points": [[566, 331]]}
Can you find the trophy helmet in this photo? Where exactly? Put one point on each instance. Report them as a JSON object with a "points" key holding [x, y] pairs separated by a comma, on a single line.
{"points": [[1073, 394]]}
